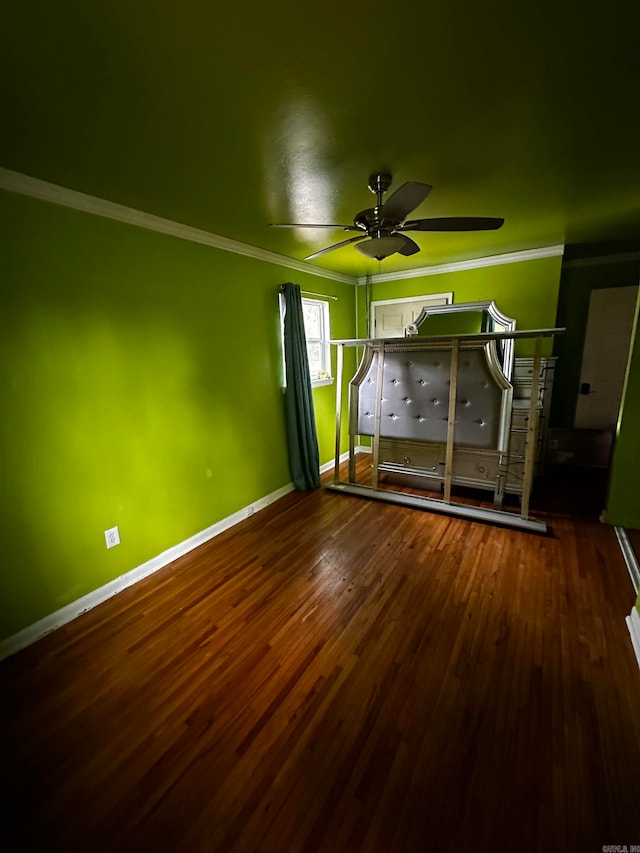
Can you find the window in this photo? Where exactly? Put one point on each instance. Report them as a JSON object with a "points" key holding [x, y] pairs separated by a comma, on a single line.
{"points": [[316, 327], [315, 313]]}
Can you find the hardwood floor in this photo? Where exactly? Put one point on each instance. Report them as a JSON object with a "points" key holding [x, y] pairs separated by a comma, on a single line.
{"points": [[339, 674]]}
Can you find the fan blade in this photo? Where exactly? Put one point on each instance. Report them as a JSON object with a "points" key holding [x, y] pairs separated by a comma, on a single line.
{"points": [[453, 223], [336, 246], [405, 199], [410, 246], [309, 225]]}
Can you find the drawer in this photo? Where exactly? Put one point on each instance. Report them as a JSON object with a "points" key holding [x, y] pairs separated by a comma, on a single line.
{"points": [[524, 372], [520, 418], [522, 391], [523, 369], [517, 442], [475, 467], [412, 455], [523, 379]]}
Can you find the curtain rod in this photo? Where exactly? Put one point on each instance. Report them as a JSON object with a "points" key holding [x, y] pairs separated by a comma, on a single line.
{"points": [[311, 293], [321, 295]]}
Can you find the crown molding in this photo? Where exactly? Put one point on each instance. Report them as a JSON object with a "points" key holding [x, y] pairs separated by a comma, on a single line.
{"points": [[44, 191], [472, 264]]}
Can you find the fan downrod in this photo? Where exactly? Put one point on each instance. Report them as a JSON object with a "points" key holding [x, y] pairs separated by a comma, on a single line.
{"points": [[370, 220], [379, 183]]}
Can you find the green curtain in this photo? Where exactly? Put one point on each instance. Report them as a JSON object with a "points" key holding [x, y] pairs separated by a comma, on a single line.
{"points": [[302, 438]]}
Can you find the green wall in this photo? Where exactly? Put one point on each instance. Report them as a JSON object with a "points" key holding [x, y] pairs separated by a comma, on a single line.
{"points": [[141, 379], [527, 291], [576, 283], [623, 499]]}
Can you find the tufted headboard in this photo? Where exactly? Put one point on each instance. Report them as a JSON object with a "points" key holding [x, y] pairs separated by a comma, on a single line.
{"points": [[415, 395]]}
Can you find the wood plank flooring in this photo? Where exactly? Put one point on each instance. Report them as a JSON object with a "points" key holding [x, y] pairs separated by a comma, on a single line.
{"points": [[336, 674]]}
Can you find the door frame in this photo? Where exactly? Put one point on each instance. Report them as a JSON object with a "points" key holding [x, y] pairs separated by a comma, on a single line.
{"points": [[443, 299]]}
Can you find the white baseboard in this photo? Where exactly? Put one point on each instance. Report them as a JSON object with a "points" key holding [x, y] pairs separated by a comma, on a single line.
{"points": [[329, 465], [343, 458], [629, 555], [71, 611], [76, 608], [633, 624]]}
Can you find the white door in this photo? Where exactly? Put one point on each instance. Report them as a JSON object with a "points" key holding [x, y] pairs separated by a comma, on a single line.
{"points": [[604, 358], [390, 317]]}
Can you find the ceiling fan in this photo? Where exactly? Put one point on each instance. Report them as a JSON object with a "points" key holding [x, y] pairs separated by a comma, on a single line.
{"points": [[381, 228]]}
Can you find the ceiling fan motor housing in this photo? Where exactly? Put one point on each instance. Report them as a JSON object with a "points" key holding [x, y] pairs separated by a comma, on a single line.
{"points": [[371, 222]]}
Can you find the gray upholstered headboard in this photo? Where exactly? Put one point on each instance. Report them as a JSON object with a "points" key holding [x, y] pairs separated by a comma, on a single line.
{"points": [[415, 396]]}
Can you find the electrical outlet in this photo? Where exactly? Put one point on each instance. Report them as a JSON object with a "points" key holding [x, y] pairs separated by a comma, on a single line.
{"points": [[112, 537]]}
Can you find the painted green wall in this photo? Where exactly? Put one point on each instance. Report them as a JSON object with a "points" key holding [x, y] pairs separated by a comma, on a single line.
{"points": [[623, 499], [141, 379], [576, 284], [527, 291]]}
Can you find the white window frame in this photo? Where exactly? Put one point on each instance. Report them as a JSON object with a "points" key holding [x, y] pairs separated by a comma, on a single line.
{"points": [[324, 374]]}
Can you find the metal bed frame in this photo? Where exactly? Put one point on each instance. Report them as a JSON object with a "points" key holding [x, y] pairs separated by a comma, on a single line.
{"points": [[378, 349]]}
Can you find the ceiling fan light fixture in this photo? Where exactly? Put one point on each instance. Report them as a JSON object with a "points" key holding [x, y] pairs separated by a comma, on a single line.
{"points": [[381, 247], [381, 229]]}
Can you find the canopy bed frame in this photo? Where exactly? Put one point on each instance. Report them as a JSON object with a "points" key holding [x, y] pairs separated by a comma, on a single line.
{"points": [[440, 410]]}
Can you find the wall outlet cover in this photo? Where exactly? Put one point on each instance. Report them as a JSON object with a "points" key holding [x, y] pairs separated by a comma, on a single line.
{"points": [[112, 537]]}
